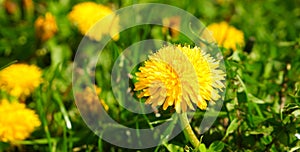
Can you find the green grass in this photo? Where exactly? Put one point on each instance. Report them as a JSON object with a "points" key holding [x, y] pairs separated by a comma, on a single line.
{"points": [[262, 101]]}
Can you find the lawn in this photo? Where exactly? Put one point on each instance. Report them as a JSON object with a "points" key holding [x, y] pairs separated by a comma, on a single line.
{"points": [[149, 75]]}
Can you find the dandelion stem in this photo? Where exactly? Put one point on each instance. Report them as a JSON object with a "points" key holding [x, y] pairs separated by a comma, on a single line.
{"points": [[188, 131]]}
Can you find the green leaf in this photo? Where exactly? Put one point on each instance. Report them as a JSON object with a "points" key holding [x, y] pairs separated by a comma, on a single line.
{"points": [[257, 100], [295, 149], [232, 127], [202, 147], [173, 147], [7, 65], [296, 113], [3, 146], [59, 53], [256, 120], [241, 96], [216, 146], [262, 130]]}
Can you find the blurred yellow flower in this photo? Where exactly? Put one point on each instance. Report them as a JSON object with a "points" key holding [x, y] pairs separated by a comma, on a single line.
{"points": [[227, 36], [86, 14], [11, 7], [28, 8], [20, 80], [45, 27], [90, 99], [88, 102], [16, 121], [171, 25], [27, 4], [180, 76]]}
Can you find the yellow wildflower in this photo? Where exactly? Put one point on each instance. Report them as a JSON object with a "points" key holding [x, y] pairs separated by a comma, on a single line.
{"points": [[227, 36], [45, 27], [27, 4], [90, 99], [86, 14], [28, 8], [172, 24], [11, 7], [16, 121], [180, 76], [20, 80]]}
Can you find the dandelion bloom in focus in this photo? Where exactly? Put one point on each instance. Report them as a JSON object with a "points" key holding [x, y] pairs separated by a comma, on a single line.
{"points": [[227, 36], [180, 77], [17, 122], [86, 14], [45, 27], [20, 80]]}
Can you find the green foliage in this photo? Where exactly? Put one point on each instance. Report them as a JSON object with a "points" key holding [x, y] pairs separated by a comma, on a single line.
{"points": [[261, 110]]}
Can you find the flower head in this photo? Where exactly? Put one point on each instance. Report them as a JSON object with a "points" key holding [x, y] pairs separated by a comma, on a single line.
{"points": [[89, 97], [86, 14], [172, 24], [11, 7], [45, 27], [16, 121], [88, 102], [20, 80], [226, 36], [180, 76]]}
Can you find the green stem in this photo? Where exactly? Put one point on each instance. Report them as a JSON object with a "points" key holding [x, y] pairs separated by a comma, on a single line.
{"points": [[188, 131]]}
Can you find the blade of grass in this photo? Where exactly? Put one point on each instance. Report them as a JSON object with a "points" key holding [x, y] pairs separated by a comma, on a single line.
{"points": [[138, 131], [247, 94], [144, 115], [167, 132], [42, 114], [62, 109], [70, 141], [7, 65], [42, 141], [68, 124], [100, 144], [65, 139]]}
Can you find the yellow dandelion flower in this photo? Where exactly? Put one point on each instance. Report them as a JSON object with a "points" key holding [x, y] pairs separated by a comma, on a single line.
{"points": [[11, 7], [226, 36], [28, 8], [20, 80], [86, 14], [171, 24], [90, 99], [180, 77], [16, 121], [88, 103], [45, 27]]}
